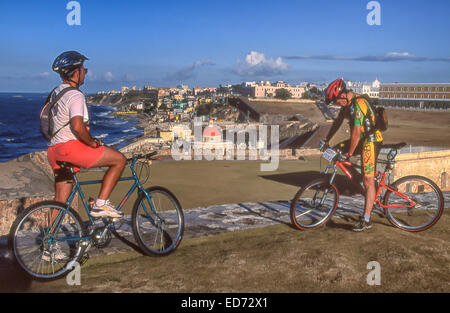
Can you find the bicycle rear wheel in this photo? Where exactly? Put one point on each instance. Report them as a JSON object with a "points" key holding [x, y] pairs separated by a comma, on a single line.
{"points": [[417, 206], [314, 204], [30, 241], [158, 221]]}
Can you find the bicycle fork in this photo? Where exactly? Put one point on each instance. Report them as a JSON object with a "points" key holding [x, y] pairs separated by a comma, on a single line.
{"points": [[325, 193]]}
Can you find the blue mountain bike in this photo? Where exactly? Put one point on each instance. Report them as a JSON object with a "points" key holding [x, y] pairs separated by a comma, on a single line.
{"points": [[48, 237]]}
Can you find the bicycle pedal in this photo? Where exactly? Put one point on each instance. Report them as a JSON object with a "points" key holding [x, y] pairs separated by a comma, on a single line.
{"points": [[84, 258]]}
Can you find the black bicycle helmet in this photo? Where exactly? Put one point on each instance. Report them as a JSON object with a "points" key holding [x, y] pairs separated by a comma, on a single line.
{"points": [[67, 62]]}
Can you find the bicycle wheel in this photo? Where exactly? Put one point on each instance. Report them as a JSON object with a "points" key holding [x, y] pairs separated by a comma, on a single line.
{"points": [[30, 241], [158, 221], [425, 209], [314, 204]]}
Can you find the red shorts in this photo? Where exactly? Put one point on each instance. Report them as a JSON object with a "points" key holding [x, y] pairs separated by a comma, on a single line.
{"points": [[74, 152]]}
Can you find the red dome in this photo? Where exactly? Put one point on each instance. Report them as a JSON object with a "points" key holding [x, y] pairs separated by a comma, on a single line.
{"points": [[211, 131]]}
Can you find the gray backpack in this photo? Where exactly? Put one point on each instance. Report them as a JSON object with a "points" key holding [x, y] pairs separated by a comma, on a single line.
{"points": [[47, 124]]}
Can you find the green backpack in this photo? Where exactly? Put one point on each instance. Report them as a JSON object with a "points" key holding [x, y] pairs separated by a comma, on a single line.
{"points": [[381, 119]]}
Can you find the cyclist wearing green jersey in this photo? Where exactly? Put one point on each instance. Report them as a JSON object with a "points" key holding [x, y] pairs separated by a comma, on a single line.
{"points": [[365, 139]]}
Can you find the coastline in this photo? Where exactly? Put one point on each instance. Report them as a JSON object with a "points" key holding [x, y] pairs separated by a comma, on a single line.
{"points": [[140, 119]]}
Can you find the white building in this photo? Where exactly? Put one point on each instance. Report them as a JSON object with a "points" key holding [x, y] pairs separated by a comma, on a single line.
{"points": [[371, 89]]}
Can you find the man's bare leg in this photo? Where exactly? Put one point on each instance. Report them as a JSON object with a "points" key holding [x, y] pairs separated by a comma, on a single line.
{"points": [[116, 162], [369, 184], [62, 193], [63, 190]]}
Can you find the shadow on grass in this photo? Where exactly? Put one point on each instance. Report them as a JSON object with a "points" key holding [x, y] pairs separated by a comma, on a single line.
{"points": [[12, 278], [345, 222], [300, 179], [124, 240], [275, 218]]}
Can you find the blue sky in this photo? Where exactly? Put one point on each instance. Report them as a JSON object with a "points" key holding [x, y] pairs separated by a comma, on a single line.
{"points": [[207, 43]]}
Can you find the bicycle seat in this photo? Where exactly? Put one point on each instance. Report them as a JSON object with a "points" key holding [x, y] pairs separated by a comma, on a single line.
{"points": [[396, 146], [64, 164]]}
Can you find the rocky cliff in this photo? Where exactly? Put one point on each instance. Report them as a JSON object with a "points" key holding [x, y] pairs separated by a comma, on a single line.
{"points": [[104, 99]]}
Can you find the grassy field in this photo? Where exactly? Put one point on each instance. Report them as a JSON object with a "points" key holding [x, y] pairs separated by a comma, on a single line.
{"points": [[269, 259], [204, 183], [278, 259], [418, 128]]}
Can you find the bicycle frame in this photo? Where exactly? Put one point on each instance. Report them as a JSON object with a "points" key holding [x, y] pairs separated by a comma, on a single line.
{"points": [[343, 165], [137, 184]]}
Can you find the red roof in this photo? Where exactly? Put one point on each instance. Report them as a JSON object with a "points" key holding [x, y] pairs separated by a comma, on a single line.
{"points": [[211, 131]]}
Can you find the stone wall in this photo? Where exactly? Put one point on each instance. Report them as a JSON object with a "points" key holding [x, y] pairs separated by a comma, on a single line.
{"points": [[10, 208], [432, 164]]}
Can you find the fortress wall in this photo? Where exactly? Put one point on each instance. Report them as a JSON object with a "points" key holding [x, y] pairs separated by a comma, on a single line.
{"points": [[10, 208], [432, 164]]}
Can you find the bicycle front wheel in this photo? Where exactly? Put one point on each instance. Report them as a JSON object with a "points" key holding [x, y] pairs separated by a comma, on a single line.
{"points": [[44, 250], [416, 204], [314, 204], [158, 221]]}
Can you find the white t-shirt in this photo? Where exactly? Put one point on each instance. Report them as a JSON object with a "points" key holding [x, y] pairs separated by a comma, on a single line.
{"points": [[71, 104]]}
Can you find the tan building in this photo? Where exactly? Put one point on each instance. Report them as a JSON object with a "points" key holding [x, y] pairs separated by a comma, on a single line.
{"points": [[163, 93], [124, 90], [267, 90], [166, 135], [421, 95]]}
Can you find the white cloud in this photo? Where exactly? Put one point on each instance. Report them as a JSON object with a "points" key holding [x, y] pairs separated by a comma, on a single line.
{"points": [[108, 76], [256, 64], [44, 74], [386, 57], [188, 72], [90, 76]]}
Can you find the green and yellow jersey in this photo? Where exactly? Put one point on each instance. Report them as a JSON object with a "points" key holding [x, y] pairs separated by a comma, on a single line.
{"points": [[361, 114]]}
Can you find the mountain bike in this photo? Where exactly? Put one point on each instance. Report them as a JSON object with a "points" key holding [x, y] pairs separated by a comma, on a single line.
{"points": [[48, 237], [412, 203]]}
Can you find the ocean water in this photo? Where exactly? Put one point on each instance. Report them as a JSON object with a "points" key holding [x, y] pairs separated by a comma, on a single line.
{"points": [[20, 126]]}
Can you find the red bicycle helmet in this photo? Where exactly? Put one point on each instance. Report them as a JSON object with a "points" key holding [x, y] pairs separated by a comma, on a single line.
{"points": [[334, 89]]}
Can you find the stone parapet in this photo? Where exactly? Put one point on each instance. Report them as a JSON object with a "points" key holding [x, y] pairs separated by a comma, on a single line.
{"points": [[432, 164], [10, 208]]}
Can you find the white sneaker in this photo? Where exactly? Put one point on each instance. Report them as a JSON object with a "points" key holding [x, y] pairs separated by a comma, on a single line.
{"points": [[105, 210]]}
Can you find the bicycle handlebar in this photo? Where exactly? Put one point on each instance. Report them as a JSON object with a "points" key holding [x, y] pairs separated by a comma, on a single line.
{"points": [[323, 145], [148, 156]]}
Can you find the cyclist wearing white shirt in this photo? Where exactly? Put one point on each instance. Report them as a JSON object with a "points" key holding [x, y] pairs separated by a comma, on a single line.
{"points": [[73, 142]]}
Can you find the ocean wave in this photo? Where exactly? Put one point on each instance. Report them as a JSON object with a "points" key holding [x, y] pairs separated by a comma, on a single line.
{"points": [[16, 144], [102, 136], [117, 142], [104, 114], [129, 130], [120, 123]]}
